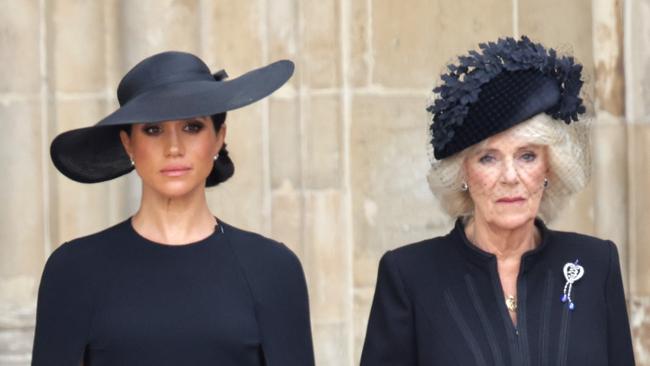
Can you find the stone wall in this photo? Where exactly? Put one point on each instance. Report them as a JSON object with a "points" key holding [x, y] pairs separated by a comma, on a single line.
{"points": [[334, 163]]}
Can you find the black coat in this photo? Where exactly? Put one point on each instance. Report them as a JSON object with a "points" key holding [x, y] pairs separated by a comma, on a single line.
{"points": [[116, 298], [440, 303]]}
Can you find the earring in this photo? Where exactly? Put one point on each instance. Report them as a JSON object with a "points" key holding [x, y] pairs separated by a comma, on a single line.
{"points": [[545, 182], [464, 187], [216, 157], [132, 162]]}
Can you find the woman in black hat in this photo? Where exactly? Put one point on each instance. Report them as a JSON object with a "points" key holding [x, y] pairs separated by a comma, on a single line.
{"points": [[171, 285], [501, 288]]}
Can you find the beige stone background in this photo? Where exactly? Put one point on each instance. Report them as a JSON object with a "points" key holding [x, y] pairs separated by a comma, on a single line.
{"points": [[334, 163]]}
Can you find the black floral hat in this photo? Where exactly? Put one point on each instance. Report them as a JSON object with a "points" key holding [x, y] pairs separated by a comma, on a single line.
{"points": [[506, 83]]}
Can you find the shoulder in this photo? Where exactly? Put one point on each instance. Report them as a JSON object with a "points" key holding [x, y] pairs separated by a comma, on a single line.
{"points": [[84, 251], [578, 239], [272, 270], [565, 242], [259, 252], [73, 267], [424, 259], [425, 248], [427, 252]]}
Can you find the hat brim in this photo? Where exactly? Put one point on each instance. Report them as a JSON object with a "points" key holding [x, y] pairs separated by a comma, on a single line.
{"points": [[91, 154], [95, 154]]}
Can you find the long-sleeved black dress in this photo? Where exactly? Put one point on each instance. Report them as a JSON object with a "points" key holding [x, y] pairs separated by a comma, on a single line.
{"points": [[440, 303], [116, 298]]}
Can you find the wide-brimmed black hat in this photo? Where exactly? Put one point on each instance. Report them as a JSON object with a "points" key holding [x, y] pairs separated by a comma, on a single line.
{"points": [[166, 86], [508, 82]]}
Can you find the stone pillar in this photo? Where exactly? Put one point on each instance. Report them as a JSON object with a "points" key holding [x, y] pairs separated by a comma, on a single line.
{"points": [[151, 26], [326, 243], [78, 99], [637, 112], [234, 38], [24, 236], [609, 138]]}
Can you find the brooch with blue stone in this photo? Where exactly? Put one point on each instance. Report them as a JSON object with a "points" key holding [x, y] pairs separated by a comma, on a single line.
{"points": [[572, 273]]}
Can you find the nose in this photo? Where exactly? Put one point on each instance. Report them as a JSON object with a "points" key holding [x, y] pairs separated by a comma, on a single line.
{"points": [[173, 143], [510, 175]]}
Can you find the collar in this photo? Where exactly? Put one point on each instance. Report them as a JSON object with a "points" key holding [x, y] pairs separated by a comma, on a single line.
{"points": [[482, 258]]}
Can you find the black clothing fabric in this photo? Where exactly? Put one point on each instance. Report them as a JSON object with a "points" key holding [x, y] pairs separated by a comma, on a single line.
{"points": [[116, 298], [440, 302]]}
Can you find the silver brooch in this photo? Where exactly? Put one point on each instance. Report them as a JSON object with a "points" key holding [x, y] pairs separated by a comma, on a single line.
{"points": [[572, 272]]}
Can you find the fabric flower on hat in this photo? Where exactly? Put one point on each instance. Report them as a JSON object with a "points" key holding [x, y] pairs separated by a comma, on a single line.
{"points": [[551, 84]]}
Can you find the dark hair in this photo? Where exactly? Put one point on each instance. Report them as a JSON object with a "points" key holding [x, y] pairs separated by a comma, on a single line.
{"points": [[223, 167]]}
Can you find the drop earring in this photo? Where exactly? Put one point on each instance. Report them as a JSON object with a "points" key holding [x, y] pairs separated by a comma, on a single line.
{"points": [[545, 182]]}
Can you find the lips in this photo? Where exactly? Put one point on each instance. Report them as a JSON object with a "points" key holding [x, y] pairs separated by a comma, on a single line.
{"points": [[175, 170], [510, 200]]}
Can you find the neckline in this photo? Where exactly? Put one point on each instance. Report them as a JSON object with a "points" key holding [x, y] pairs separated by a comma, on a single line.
{"points": [[218, 230], [477, 253]]}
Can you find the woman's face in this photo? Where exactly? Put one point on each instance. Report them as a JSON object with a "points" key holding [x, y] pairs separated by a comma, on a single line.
{"points": [[174, 158], [505, 176]]}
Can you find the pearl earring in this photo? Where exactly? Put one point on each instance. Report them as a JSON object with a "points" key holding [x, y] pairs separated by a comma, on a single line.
{"points": [[132, 162], [464, 187], [216, 157]]}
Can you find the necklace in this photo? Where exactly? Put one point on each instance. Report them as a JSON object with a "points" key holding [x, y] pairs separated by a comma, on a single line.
{"points": [[511, 303]]}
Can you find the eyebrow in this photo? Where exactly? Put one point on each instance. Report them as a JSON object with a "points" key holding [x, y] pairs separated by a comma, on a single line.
{"points": [[491, 149], [195, 119]]}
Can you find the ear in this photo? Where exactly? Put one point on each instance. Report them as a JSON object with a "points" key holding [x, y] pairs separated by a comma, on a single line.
{"points": [[126, 143]]}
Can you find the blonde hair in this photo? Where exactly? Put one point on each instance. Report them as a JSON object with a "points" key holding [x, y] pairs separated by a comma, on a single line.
{"points": [[569, 162]]}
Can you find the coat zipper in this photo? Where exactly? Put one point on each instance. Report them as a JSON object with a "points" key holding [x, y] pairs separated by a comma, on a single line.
{"points": [[522, 326]]}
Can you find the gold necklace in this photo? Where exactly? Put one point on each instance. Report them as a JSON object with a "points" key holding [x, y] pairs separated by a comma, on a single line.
{"points": [[511, 303]]}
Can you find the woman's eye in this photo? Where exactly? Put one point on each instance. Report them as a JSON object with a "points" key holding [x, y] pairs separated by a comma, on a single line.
{"points": [[529, 156], [486, 159], [194, 126], [151, 129]]}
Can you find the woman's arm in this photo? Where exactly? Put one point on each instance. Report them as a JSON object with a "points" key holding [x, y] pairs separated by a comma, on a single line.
{"points": [[390, 339], [285, 319], [63, 311], [278, 287], [619, 342]]}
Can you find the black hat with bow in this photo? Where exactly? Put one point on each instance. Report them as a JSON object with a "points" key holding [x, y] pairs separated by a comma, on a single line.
{"points": [[166, 86]]}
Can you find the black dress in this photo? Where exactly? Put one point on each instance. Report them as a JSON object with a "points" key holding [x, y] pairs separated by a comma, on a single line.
{"points": [[440, 303], [116, 298]]}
